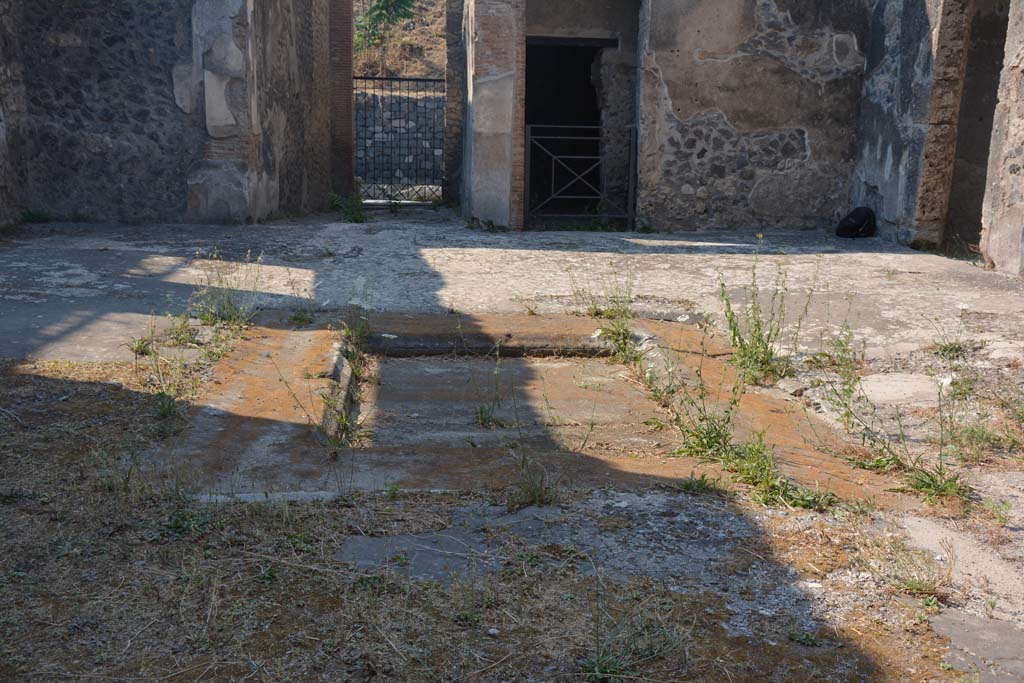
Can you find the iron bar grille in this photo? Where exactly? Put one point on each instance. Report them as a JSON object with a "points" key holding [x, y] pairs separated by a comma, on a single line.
{"points": [[581, 174], [399, 138]]}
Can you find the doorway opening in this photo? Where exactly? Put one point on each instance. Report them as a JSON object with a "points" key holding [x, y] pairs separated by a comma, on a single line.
{"points": [[985, 51], [568, 146]]}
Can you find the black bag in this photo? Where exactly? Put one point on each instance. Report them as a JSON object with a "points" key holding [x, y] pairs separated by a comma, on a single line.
{"points": [[859, 223]]}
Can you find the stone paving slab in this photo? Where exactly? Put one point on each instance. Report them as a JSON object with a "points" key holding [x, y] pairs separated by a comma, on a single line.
{"points": [[78, 291], [249, 432]]}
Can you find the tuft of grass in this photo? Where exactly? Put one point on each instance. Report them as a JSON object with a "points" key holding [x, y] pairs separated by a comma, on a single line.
{"points": [[701, 485], [167, 406], [228, 294], [971, 441], [706, 434], [998, 510], [803, 638], [301, 317], [351, 208], [753, 464], [486, 416], [905, 569], [141, 347], [624, 348], [625, 638], [342, 428], [756, 337], [938, 482], [532, 488], [180, 331], [952, 350], [616, 303]]}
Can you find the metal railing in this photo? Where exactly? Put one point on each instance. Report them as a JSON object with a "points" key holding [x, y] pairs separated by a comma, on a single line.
{"points": [[399, 124], [581, 173]]}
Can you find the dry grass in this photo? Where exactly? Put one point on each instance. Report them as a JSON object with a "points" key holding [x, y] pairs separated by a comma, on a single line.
{"points": [[104, 577]]}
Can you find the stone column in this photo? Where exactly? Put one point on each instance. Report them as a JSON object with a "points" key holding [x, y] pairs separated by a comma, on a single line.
{"points": [[455, 100], [1002, 239], [495, 113], [943, 118]]}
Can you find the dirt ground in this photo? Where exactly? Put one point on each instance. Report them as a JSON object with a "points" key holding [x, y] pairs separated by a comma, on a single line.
{"points": [[542, 513]]}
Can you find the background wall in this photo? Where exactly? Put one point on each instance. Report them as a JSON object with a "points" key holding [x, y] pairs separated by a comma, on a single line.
{"points": [[978, 105], [100, 134], [420, 123], [748, 111], [172, 110], [909, 115], [11, 101]]}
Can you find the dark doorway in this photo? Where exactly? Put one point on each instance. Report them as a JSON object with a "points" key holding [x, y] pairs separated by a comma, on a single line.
{"points": [[560, 85], [989, 24], [563, 118]]}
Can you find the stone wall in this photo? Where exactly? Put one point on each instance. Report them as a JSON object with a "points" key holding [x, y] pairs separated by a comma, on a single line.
{"points": [[748, 111], [1003, 217], [11, 102], [172, 110], [909, 113], [402, 138], [100, 134]]}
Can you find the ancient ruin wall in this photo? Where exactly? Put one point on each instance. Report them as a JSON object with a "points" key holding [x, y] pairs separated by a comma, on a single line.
{"points": [[978, 105], [11, 101], [1003, 217], [292, 78], [100, 134], [748, 111], [909, 115]]}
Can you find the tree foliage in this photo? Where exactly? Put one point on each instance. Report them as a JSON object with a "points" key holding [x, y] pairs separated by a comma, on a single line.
{"points": [[376, 23]]}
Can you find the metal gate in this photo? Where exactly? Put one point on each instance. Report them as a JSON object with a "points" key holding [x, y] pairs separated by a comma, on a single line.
{"points": [[585, 174], [399, 138]]}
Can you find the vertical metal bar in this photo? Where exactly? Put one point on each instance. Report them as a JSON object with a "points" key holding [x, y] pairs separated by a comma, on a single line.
{"points": [[529, 173]]}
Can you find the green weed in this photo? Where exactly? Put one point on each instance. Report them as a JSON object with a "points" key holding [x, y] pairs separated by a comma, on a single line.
{"points": [[757, 336], [228, 294], [937, 482], [351, 208], [616, 303]]}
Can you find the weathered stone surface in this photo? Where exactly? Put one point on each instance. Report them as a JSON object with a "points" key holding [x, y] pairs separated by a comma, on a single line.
{"points": [[1003, 217], [123, 110], [700, 127], [11, 96], [101, 135], [910, 108]]}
